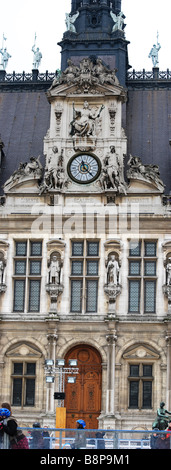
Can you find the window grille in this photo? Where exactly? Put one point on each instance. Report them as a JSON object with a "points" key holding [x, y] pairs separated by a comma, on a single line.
{"points": [[76, 296], [140, 386], [26, 287], [84, 292], [23, 384], [142, 277], [134, 296]]}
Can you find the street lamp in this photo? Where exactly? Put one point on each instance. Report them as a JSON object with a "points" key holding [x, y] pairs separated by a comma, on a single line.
{"points": [[61, 370]]}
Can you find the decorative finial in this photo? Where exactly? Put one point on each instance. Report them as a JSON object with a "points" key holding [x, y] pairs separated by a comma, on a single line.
{"points": [[154, 52]]}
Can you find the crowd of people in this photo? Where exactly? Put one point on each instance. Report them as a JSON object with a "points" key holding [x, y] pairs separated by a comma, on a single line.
{"points": [[40, 438]]}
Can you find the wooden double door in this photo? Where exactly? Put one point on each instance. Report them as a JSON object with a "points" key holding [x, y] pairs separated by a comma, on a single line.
{"points": [[83, 399]]}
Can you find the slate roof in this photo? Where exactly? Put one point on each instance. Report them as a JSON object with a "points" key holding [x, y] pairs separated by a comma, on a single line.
{"points": [[24, 121]]}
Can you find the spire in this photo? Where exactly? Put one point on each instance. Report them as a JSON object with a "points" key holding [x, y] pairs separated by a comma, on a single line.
{"points": [[95, 28]]}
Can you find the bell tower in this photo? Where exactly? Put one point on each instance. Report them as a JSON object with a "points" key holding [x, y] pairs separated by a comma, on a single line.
{"points": [[95, 28]]}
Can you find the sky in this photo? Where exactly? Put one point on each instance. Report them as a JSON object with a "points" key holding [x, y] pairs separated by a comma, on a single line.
{"points": [[21, 20]]}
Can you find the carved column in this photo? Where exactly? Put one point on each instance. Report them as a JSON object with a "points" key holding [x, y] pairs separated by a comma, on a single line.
{"points": [[110, 393], [168, 383], [52, 342]]}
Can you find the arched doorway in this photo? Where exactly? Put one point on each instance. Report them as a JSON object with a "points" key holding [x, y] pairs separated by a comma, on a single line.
{"points": [[83, 399]]}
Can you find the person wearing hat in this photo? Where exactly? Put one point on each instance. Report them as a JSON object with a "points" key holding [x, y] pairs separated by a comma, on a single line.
{"points": [[80, 438], [37, 441], [9, 426]]}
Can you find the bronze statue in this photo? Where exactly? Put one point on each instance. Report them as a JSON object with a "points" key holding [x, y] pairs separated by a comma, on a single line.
{"points": [[161, 422]]}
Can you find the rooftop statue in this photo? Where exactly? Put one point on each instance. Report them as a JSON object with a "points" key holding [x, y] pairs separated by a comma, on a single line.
{"points": [[5, 55], [70, 20], [37, 55], [154, 52], [118, 20]]}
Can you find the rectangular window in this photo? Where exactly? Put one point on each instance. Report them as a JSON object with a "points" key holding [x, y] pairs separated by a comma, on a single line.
{"points": [[91, 304], [76, 296], [36, 248], [20, 268], [92, 249], [77, 248], [77, 268], [92, 268], [84, 291], [134, 393], [142, 276], [150, 297], [34, 296], [150, 248], [147, 394], [19, 295], [134, 296], [135, 248], [21, 248], [134, 268], [150, 268], [27, 289], [23, 384], [140, 386]]}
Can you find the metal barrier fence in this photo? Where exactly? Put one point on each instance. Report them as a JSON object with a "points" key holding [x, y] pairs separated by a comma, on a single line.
{"points": [[50, 438]]}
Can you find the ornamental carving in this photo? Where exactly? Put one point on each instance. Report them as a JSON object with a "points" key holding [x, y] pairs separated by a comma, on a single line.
{"points": [[87, 75], [147, 173]]}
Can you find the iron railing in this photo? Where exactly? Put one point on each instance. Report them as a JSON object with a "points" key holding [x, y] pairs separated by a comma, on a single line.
{"points": [[52, 438]]}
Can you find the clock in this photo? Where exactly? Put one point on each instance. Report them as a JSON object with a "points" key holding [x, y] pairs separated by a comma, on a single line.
{"points": [[84, 168]]}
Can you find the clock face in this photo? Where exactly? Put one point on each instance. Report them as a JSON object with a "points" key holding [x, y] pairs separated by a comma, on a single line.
{"points": [[84, 168]]}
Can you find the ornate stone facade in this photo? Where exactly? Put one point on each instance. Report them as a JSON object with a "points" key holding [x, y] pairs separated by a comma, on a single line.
{"points": [[85, 252]]}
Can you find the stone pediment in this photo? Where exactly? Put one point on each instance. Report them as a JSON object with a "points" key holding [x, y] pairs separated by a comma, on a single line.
{"points": [[139, 352], [23, 350], [97, 90], [90, 78]]}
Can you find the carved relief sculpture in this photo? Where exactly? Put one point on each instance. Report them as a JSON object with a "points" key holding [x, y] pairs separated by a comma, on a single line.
{"points": [[32, 169], [88, 74], [148, 173], [83, 123]]}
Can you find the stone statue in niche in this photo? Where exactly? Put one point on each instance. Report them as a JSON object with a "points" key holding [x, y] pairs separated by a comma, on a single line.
{"points": [[70, 20], [83, 123], [54, 286], [168, 271], [148, 173], [2, 273], [112, 286], [112, 271], [54, 270]]}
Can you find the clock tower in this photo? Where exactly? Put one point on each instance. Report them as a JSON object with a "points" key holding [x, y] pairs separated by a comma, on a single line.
{"points": [[95, 28]]}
